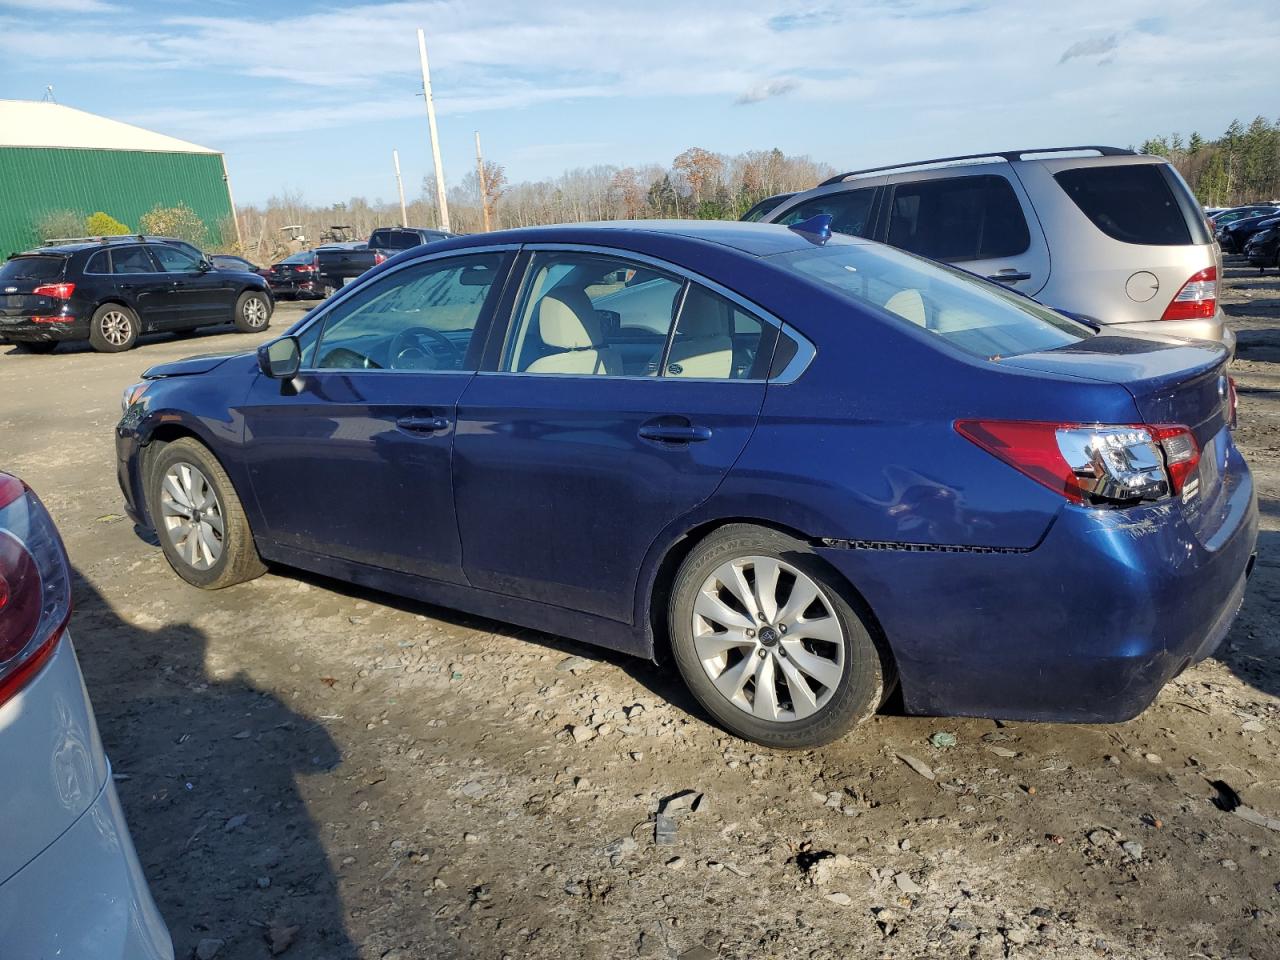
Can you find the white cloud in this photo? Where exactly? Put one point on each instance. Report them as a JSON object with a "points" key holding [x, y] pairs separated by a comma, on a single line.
{"points": [[61, 6]]}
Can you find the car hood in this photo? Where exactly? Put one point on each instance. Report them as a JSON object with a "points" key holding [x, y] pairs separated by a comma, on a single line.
{"points": [[191, 365]]}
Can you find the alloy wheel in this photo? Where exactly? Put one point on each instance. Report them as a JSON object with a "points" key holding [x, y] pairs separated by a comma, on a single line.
{"points": [[255, 312], [193, 517], [116, 328], [768, 638]]}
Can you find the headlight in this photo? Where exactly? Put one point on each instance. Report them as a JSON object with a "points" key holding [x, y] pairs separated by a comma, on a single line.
{"points": [[132, 394]]}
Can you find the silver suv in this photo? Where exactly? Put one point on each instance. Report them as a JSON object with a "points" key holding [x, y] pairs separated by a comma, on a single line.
{"points": [[1100, 232]]}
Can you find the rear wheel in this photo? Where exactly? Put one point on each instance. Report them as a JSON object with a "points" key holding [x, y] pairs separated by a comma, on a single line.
{"points": [[767, 640], [114, 328], [253, 312], [198, 517]]}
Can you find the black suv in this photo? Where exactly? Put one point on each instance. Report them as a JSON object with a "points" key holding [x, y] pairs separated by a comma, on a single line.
{"points": [[110, 291]]}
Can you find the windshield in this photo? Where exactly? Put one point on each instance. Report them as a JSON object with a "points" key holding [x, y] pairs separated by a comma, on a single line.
{"points": [[32, 268], [971, 314]]}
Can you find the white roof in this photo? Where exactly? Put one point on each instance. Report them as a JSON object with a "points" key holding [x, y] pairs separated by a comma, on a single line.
{"points": [[35, 123]]}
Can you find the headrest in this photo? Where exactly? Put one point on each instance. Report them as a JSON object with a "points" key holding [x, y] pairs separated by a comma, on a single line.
{"points": [[567, 321], [703, 316], [909, 305]]}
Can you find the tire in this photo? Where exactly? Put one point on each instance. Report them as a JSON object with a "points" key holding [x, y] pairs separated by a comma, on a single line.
{"points": [[36, 346], [113, 329], [837, 638], [253, 312], [194, 474]]}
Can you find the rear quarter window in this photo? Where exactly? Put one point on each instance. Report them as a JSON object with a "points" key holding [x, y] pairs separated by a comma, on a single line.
{"points": [[32, 268], [1135, 203]]}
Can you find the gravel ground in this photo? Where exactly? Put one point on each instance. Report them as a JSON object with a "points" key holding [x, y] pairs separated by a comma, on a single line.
{"points": [[319, 772]]}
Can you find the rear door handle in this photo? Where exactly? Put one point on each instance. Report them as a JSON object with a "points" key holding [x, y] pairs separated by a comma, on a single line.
{"points": [[422, 424], [1009, 276], [675, 433]]}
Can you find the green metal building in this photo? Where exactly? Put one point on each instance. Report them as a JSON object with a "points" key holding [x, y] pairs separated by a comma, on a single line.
{"points": [[55, 159]]}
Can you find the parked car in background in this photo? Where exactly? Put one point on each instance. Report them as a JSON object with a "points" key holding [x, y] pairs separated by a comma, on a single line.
{"points": [[109, 293], [748, 392], [1263, 248], [341, 263], [1232, 214], [1233, 237], [226, 261], [758, 211], [1116, 237], [70, 882], [297, 277]]}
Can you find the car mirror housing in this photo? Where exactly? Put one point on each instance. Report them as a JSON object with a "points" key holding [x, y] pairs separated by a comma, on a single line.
{"points": [[281, 358]]}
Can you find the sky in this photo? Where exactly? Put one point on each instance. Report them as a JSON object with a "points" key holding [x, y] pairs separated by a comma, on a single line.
{"points": [[312, 97]]}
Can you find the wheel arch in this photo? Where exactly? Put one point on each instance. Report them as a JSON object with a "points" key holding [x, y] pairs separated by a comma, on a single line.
{"points": [[659, 571]]}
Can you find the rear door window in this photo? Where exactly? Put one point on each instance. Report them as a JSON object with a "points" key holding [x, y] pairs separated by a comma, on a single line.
{"points": [[32, 268], [1133, 203], [850, 211], [131, 260], [958, 218]]}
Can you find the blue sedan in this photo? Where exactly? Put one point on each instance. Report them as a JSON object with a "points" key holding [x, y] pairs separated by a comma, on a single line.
{"points": [[805, 470]]}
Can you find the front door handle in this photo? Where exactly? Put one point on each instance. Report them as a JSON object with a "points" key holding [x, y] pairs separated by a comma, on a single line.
{"points": [[1009, 276], [422, 424], [675, 432]]}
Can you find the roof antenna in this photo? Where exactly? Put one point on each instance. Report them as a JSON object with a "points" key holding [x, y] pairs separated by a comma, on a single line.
{"points": [[816, 229], [48, 95]]}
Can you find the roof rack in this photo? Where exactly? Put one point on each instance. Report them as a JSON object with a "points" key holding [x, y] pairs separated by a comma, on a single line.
{"points": [[1009, 155], [121, 238]]}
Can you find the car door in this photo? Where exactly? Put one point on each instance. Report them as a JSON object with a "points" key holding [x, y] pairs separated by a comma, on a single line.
{"points": [[143, 285], [350, 459], [200, 295], [578, 449], [978, 222]]}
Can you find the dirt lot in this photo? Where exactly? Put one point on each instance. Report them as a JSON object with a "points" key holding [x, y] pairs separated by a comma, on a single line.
{"points": [[346, 775]]}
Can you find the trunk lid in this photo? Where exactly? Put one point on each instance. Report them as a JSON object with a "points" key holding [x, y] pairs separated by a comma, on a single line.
{"points": [[1171, 381], [20, 276]]}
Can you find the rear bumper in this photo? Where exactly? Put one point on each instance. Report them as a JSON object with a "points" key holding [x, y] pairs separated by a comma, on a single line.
{"points": [[1214, 329], [84, 896], [24, 330], [1086, 627]]}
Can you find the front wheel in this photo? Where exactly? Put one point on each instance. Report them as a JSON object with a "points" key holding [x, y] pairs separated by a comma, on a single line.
{"points": [[114, 328], [198, 517], [253, 312], [766, 640]]}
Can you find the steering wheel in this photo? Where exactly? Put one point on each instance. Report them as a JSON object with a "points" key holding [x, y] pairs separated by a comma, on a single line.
{"points": [[410, 347]]}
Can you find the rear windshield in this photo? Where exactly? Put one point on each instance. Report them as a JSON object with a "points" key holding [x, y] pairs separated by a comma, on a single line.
{"points": [[1144, 203], [969, 313], [32, 268], [395, 239], [304, 257]]}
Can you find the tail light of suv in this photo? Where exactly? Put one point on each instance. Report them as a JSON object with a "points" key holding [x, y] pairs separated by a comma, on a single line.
{"points": [[1090, 463], [35, 586], [1198, 298], [58, 291]]}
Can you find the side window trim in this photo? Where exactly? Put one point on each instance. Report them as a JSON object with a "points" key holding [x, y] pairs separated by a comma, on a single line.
{"points": [[488, 312], [681, 297]]}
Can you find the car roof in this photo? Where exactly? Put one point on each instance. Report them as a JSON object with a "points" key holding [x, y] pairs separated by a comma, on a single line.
{"points": [[753, 239]]}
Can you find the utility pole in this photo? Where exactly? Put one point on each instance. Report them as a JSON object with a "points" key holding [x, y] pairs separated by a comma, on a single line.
{"points": [[484, 186], [435, 140], [404, 216]]}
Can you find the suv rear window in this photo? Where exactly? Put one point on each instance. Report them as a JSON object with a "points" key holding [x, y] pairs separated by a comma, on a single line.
{"points": [[978, 317], [958, 218], [1135, 203], [32, 268]]}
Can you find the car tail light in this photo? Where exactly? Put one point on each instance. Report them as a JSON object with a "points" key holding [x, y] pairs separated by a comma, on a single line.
{"points": [[1198, 298], [1089, 463], [58, 291], [305, 268], [378, 257], [35, 586], [55, 319]]}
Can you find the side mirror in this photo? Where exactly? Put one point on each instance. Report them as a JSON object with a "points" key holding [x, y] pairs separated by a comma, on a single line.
{"points": [[205, 266], [281, 358]]}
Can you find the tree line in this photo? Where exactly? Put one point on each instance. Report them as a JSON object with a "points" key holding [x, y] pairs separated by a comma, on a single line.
{"points": [[698, 183], [1241, 166]]}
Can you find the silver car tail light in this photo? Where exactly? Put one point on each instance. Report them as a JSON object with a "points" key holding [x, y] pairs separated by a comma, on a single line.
{"points": [[35, 586]]}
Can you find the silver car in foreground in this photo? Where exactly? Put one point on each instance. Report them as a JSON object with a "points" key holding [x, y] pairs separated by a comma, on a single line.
{"points": [[1103, 233], [70, 883]]}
